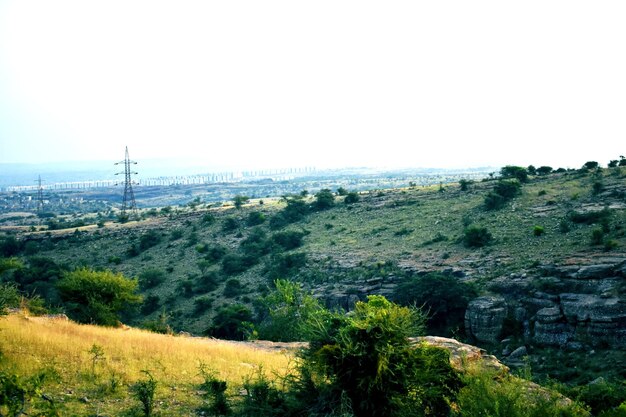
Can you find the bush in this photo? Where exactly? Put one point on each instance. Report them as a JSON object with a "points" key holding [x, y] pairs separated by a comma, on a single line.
{"points": [[519, 173], [208, 219], [284, 266], [597, 236], [233, 288], [201, 305], [233, 263], [284, 312], [255, 218], [324, 199], [150, 304], [365, 362], [352, 198], [150, 278], [9, 246], [538, 231], [465, 184], [215, 253], [590, 217], [97, 297], [504, 191], [230, 224], [288, 240], [256, 244], [207, 282], [9, 297], [294, 211], [149, 239], [476, 237], [443, 298], [214, 394], [544, 170], [144, 391], [233, 322]]}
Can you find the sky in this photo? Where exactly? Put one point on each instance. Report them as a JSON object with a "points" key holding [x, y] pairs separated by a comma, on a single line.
{"points": [[257, 84]]}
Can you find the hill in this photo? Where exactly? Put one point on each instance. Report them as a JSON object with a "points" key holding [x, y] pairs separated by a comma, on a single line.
{"points": [[563, 233]]}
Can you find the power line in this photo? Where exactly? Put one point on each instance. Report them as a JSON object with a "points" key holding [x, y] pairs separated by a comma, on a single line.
{"points": [[39, 195], [129, 196]]}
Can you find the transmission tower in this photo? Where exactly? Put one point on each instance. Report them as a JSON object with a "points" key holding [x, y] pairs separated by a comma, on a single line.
{"points": [[129, 196], [39, 195]]}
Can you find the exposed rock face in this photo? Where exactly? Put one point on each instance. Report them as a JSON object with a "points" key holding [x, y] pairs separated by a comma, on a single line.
{"points": [[568, 306], [484, 318]]}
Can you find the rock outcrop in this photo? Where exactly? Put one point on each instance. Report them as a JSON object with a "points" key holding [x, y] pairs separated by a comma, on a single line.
{"points": [[566, 306]]}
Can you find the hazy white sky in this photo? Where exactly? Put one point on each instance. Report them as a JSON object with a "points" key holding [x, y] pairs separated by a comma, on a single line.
{"points": [[291, 83]]}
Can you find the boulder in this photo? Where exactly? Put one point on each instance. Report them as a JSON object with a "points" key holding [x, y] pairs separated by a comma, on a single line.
{"points": [[484, 318]]}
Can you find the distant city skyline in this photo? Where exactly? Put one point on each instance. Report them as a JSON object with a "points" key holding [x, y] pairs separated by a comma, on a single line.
{"points": [[275, 84]]}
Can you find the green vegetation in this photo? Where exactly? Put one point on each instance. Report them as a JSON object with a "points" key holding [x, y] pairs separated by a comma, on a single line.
{"points": [[97, 297]]}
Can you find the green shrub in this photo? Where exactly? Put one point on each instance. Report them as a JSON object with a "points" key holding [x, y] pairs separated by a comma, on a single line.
{"points": [[597, 236], [9, 297], [476, 237], [324, 199], [538, 230], [365, 362], [214, 394], [465, 184], [207, 282], [201, 305], [230, 224], [150, 278], [610, 244], [590, 217], [233, 322], [149, 239], [150, 304], [284, 312], [215, 253], [519, 173], [263, 398], [352, 198], [144, 391], [233, 288], [233, 263], [284, 265], [288, 240], [97, 297], [444, 299], [208, 219], [255, 218]]}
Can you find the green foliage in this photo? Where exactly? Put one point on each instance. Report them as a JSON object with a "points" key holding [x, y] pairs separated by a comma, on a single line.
{"points": [[233, 288], [589, 165], [464, 184], [7, 264], [150, 304], [504, 191], [97, 297], [207, 219], [284, 265], [255, 218], [352, 198], [256, 244], [295, 210], [544, 170], [207, 282], [285, 310], [263, 399], [324, 199], [288, 240], [601, 395], [160, 324], [214, 393], [9, 297], [9, 246], [233, 263], [149, 239], [510, 171], [443, 298], [230, 224], [150, 278], [476, 237], [240, 200], [233, 322], [144, 392], [493, 395], [366, 360], [597, 236], [202, 304], [17, 394], [590, 217], [538, 231], [597, 187], [215, 253]]}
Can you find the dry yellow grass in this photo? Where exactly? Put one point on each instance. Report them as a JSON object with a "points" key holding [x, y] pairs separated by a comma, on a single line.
{"points": [[30, 344]]}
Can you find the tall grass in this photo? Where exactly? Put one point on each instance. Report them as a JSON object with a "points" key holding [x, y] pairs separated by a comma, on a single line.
{"points": [[30, 344]]}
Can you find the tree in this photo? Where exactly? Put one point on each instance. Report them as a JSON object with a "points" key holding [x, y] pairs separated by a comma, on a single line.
{"points": [[351, 198], [510, 171], [589, 165], [476, 237], [324, 199], [531, 170], [285, 310], [240, 200], [232, 322], [9, 297], [544, 170], [97, 297], [365, 359]]}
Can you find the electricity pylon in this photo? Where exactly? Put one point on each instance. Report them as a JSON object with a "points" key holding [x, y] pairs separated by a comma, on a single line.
{"points": [[129, 196]]}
